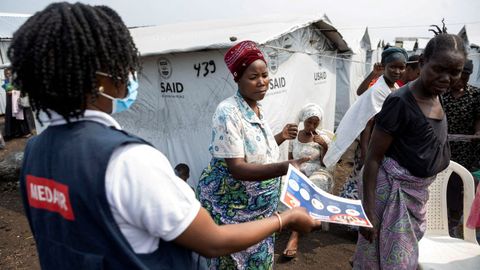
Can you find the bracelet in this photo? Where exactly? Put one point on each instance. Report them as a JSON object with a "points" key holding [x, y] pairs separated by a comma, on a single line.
{"points": [[279, 221]]}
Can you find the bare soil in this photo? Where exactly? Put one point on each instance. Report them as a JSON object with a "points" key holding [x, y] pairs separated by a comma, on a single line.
{"points": [[330, 249], [17, 246], [318, 250]]}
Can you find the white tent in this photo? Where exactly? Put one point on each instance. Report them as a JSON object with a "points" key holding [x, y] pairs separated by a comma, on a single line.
{"points": [[421, 44], [409, 45], [9, 23], [471, 36], [184, 78], [353, 67]]}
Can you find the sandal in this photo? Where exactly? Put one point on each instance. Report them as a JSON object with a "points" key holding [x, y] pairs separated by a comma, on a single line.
{"points": [[290, 253]]}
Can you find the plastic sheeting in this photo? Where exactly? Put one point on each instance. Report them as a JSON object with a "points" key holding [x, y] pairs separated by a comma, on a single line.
{"points": [[221, 34], [352, 68], [178, 94], [349, 76], [3, 98], [474, 55], [470, 34], [3, 60], [9, 23]]}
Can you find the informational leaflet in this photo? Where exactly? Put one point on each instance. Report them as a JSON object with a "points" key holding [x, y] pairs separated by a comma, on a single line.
{"points": [[298, 190]]}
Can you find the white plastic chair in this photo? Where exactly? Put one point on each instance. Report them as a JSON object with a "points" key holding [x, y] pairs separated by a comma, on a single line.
{"points": [[437, 250]]}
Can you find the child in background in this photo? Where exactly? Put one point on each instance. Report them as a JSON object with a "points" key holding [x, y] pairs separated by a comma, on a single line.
{"points": [[183, 171]]}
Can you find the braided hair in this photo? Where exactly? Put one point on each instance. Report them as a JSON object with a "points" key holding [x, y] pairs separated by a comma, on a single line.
{"points": [[55, 56], [443, 41]]}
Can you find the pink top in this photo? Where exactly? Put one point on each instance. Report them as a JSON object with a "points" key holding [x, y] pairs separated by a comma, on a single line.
{"points": [[474, 218]]}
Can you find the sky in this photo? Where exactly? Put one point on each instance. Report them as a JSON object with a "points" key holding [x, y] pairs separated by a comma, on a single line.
{"points": [[385, 19]]}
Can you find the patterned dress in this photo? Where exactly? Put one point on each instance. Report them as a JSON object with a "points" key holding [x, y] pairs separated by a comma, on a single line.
{"points": [[461, 115], [400, 206], [239, 133]]}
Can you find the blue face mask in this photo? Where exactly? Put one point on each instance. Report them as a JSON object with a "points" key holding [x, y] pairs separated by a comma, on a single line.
{"points": [[122, 104]]}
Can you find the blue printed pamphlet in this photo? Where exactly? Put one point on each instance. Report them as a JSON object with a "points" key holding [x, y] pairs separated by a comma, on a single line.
{"points": [[298, 190]]}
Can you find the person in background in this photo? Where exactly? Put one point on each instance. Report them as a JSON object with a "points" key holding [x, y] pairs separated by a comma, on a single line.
{"points": [[371, 78], [95, 196], [412, 71], [312, 141], [357, 124], [242, 181], [16, 121], [462, 106], [408, 148], [183, 171]]}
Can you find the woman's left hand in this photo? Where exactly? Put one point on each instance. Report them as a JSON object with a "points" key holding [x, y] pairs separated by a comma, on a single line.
{"points": [[289, 131], [318, 139], [370, 234]]}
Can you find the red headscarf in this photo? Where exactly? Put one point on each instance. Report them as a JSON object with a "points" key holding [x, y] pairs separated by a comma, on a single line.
{"points": [[240, 56]]}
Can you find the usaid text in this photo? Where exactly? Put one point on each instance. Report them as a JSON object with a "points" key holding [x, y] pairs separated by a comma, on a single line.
{"points": [[276, 83], [171, 87]]}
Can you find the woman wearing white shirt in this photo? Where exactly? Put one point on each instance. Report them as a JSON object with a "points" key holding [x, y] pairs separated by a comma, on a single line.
{"points": [[96, 196]]}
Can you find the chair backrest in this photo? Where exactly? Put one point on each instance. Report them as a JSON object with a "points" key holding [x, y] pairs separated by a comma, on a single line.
{"points": [[437, 219]]}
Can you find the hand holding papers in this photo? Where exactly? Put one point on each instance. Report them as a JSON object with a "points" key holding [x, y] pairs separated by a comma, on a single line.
{"points": [[300, 191]]}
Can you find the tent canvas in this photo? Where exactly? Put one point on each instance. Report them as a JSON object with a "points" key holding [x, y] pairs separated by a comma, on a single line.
{"points": [[184, 78], [3, 54], [9, 23], [471, 36], [353, 67]]}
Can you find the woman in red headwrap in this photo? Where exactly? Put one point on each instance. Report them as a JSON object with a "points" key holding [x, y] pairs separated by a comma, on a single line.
{"points": [[242, 181], [115, 202]]}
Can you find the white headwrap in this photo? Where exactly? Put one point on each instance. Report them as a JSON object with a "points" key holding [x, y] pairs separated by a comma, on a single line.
{"points": [[309, 110]]}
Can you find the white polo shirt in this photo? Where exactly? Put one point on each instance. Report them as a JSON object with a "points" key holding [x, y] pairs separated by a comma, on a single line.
{"points": [[148, 201]]}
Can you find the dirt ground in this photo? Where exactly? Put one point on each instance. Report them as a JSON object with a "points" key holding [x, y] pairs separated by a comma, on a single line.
{"points": [[17, 246], [318, 250]]}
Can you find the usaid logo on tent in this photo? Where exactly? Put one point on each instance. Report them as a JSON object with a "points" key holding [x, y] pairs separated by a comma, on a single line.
{"points": [[273, 62], [320, 77], [164, 67], [275, 83], [165, 71]]}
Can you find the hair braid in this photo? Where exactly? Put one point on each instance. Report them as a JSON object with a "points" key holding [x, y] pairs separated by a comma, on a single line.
{"points": [[443, 41], [56, 53]]}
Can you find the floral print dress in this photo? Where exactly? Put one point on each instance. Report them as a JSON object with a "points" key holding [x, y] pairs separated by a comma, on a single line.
{"points": [[239, 133], [462, 112]]}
